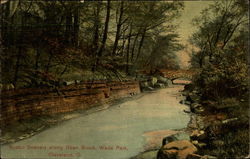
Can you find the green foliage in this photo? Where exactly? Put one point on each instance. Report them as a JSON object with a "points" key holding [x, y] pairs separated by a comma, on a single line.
{"points": [[218, 25], [236, 145], [222, 40], [60, 38], [223, 59], [227, 79], [162, 52]]}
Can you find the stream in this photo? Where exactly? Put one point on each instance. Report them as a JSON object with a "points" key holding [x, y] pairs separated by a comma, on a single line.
{"points": [[119, 132]]}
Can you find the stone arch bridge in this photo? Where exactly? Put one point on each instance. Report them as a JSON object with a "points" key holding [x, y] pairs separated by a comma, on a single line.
{"points": [[176, 74]]}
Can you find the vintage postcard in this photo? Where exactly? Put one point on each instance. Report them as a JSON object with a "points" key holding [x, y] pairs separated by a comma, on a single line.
{"points": [[87, 79]]}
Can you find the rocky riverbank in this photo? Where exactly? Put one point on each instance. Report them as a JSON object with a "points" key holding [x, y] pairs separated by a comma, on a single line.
{"points": [[149, 83], [27, 128], [218, 129], [213, 131]]}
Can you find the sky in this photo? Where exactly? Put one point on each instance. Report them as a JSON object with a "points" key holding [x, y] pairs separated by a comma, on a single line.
{"points": [[192, 9]]}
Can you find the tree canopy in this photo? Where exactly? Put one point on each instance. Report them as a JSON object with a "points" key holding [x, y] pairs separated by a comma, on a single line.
{"points": [[46, 41], [222, 56]]}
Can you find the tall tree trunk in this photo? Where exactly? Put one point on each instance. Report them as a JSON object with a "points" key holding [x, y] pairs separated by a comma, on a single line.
{"points": [[5, 8], [76, 27], [105, 34], [201, 62], [68, 30], [19, 54], [38, 53], [17, 67], [133, 47], [123, 45], [123, 41], [141, 43], [49, 61], [128, 49], [96, 28], [96, 35], [118, 28]]}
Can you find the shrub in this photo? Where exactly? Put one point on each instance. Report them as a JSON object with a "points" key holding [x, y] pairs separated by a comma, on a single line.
{"points": [[228, 78]]}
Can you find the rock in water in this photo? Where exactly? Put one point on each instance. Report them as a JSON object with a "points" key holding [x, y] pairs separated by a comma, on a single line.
{"points": [[148, 89], [176, 149], [168, 139], [153, 81], [169, 83], [159, 85], [171, 154], [144, 85], [162, 79]]}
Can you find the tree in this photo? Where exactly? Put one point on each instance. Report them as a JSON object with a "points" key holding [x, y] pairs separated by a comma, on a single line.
{"points": [[119, 24], [45, 39], [222, 55], [218, 24]]}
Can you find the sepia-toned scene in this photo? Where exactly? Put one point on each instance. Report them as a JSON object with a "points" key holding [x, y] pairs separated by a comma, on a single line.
{"points": [[86, 79]]}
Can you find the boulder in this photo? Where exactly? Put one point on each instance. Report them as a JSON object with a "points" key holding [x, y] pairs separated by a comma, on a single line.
{"points": [[165, 81], [169, 83], [195, 142], [184, 153], [194, 106], [77, 81], [194, 156], [181, 81], [176, 149], [67, 83], [200, 123], [199, 144], [208, 157], [148, 88], [199, 110], [170, 153], [189, 87], [161, 79], [187, 102], [152, 81], [193, 97], [198, 135], [186, 111], [168, 139], [144, 84], [182, 102], [179, 145], [159, 85]]}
